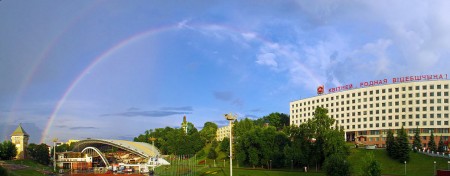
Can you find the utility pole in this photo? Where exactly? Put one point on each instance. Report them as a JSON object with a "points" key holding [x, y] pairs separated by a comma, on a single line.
{"points": [[54, 153]]}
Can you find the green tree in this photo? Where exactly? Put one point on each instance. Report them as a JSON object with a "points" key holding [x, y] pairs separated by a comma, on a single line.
{"points": [[253, 157], [7, 150], [241, 127], [212, 154], [39, 153], [214, 144], [3, 171], [208, 132], [225, 145], [64, 148], [432, 143], [441, 146], [371, 167], [417, 144], [391, 145], [329, 140], [402, 152], [277, 120], [299, 150], [174, 141], [336, 165]]}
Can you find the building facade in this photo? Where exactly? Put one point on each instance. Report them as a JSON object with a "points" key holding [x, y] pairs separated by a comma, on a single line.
{"points": [[367, 113], [223, 132], [20, 139]]}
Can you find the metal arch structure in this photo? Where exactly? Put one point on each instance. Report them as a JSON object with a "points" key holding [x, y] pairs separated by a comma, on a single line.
{"points": [[99, 153], [142, 149]]}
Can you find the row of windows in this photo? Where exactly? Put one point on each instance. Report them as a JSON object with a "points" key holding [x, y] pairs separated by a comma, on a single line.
{"points": [[444, 138], [377, 105], [393, 124], [410, 131], [384, 111], [378, 98], [383, 118]]}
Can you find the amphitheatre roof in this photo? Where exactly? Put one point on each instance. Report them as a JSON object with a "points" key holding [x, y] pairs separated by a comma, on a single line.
{"points": [[139, 148]]}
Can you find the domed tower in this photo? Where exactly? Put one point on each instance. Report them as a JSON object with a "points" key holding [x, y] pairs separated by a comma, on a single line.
{"points": [[20, 138]]}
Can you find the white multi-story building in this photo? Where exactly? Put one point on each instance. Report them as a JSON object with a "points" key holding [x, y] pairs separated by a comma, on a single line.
{"points": [[366, 113], [223, 132]]}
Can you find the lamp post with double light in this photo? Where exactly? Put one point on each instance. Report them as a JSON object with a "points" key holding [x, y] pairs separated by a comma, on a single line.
{"points": [[230, 117]]}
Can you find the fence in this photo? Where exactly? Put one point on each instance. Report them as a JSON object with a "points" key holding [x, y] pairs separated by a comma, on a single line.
{"points": [[180, 165], [434, 154]]}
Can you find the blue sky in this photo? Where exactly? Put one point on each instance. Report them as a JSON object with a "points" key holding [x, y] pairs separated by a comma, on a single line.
{"points": [[113, 69]]}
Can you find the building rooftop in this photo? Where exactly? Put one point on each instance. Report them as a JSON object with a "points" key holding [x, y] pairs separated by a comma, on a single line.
{"points": [[19, 131]]}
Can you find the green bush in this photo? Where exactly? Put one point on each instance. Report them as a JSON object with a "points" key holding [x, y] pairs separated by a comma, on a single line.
{"points": [[3, 171], [336, 165], [371, 166]]}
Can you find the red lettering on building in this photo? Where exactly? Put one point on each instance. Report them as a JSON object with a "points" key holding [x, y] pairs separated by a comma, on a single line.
{"points": [[385, 81]]}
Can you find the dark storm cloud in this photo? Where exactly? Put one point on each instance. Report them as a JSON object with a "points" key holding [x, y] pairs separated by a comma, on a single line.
{"points": [[162, 112], [82, 128], [183, 108], [224, 96], [251, 116], [133, 109], [256, 110], [157, 113], [228, 97]]}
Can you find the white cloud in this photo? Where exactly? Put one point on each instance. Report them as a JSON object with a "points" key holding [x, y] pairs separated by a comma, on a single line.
{"points": [[267, 59], [248, 35]]}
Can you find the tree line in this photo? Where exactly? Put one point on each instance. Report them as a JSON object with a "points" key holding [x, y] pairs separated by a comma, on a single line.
{"points": [[176, 141], [38, 153], [265, 142]]}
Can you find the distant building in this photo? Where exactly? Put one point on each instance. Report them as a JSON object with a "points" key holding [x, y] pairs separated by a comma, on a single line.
{"points": [[74, 160], [368, 112], [184, 125], [222, 133], [20, 138], [70, 141]]}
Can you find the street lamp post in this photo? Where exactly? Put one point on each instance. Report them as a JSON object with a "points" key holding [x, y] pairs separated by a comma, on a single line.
{"points": [[153, 140], [270, 165], [54, 153], [405, 167], [434, 167], [230, 117]]}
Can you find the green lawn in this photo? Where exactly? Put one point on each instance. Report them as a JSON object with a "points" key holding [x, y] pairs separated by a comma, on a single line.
{"points": [[419, 164]]}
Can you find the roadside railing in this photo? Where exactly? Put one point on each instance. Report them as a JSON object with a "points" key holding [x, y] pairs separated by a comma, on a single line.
{"points": [[434, 154]]}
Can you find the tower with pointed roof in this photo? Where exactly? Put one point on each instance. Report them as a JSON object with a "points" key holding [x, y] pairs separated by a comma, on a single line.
{"points": [[20, 139], [184, 125]]}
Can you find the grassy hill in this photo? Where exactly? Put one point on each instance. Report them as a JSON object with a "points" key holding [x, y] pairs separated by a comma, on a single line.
{"points": [[25, 168], [418, 164]]}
